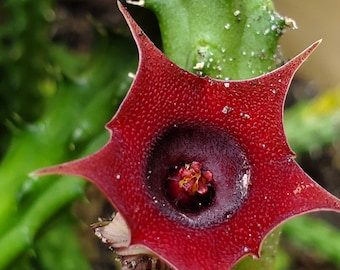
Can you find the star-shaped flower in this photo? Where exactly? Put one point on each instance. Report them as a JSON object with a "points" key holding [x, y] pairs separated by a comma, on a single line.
{"points": [[199, 168]]}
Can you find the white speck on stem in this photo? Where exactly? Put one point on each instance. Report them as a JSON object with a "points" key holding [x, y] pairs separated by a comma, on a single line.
{"points": [[236, 13], [199, 66], [227, 26]]}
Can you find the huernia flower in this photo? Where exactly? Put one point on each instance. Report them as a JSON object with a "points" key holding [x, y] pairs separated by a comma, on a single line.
{"points": [[199, 169]]}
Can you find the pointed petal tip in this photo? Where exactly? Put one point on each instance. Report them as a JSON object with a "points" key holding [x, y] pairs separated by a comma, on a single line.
{"points": [[289, 69], [303, 56], [142, 41], [68, 168], [57, 169], [130, 21], [35, 174], [312, 47]]}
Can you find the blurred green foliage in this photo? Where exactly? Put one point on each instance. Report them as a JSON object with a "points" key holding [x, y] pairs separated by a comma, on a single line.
{"points": [[311, 125], [54, 103], [316, 237], [25, 58]]}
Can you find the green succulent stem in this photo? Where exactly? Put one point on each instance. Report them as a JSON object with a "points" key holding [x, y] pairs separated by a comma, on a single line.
{"points": [[223, 39]]}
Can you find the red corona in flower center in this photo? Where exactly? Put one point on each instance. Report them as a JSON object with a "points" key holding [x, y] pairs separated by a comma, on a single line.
{"points": [[193, 179], [190, 187]]}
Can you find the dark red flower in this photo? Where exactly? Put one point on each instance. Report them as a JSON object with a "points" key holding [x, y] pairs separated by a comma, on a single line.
{"points": [[199, 168]]}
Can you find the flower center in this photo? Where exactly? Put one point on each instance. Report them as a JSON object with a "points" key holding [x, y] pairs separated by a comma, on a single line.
{"points": [[189, 187], [197, 175]]}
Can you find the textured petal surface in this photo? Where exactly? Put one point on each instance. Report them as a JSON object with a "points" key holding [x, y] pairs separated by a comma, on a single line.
{"points": [[164, 103]]}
